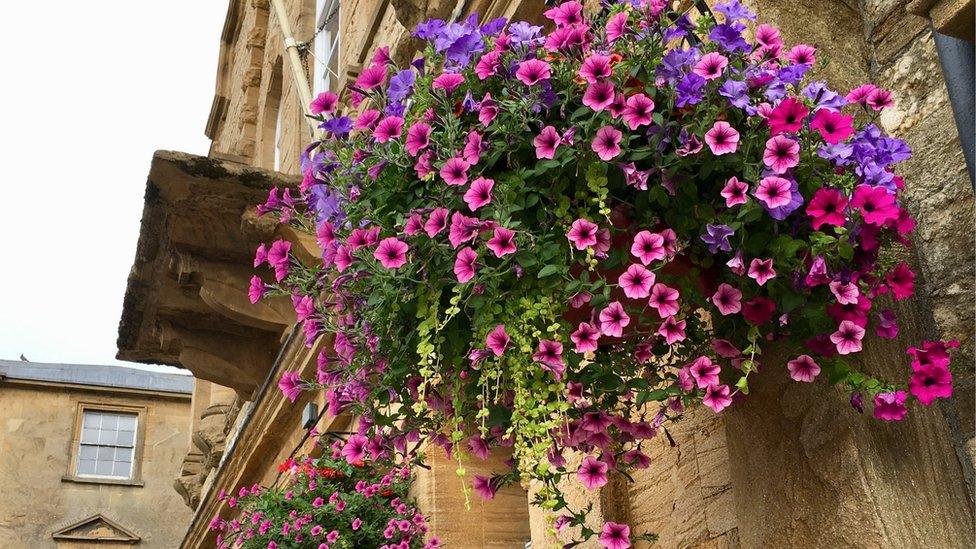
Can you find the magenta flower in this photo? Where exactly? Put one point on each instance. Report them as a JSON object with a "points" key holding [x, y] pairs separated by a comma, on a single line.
{"points": [[802, 54], [901, 280], [436, 221], [639, 111], [774, 191], [388, 128], [803, 368], [546, 142], [355, 448], [582, 233], [833, 126], [586, 338], [550, 355], [929, 382], [717, 397], [617, 26], [448, 81], [261, 254], [636, 281], [418, 138], [758, 310], [599, 96], [497, 339], [371, 77], [704, 372], [484, 487], [710, 66], [356, 523], [256, 290], [366, 119], [343, 258], [761, 270], [722, 138], [727, 299], [735, 264], [827, 208], [476, 444], [533, 71], [479, 193], [595, 68], [502, 242], [734, 192], [592, 473], [847, 338], [768, 36], [846, 293], [464, 264], [781, 153], [890, 406], [463, 229], [787, 116], [615, 536], [488, 110], [324, 102], [391, 253], [455, 172], [876, 204], [887, 326], [290, 385], [665, 300], [613, 319], [414, 225], [672, 330], [648, 247], [488, 64], [606, 143], [879, 99]]}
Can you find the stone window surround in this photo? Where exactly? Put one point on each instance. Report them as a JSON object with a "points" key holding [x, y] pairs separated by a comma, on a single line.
{"points": [[138, 446]]}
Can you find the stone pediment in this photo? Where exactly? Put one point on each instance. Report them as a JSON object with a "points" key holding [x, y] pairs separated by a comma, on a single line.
{"points": [[96, 528]]}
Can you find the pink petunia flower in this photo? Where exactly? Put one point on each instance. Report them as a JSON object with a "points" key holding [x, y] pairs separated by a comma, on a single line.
{"points": [[803, 368], [613, 320], [617, 26], [324, 102], [665, 300], [595, 68], [761, 270], [533, 71], [479, 193], [774, 191], [901, 280], [802, 54], [436, 222], [599, 96], [614, 536], [606, 143], [672, 330], [710, 66], [488, 64], [550, 355], [418, 138], [876, 204], [391, 253], [488, 110], [717, 397], [497, 339], [582, 233], [389, 128], [371, 77], [354, 448], [879, 98], [414, 225], [585, 338], [722, 138], [502, 242], [546, 142], [366, 119], [768, 36], [847, 338], [290, 385], [890, 406], [704, 372], [448, 81], [464, 264], [256, 289], [592, 473], [860, 94], [648, 247], [727, 299], [781, 153], [833, 126], [636, 282], [929, 382], [565, 14], [463, 229], [846, 293], [455, 172], [827, 208], [424, 166], [484, 487], [639, 111], [734, 192], [787, 116]]}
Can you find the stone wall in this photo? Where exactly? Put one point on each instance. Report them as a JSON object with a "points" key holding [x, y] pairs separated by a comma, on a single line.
{"points": [[36, 430]]}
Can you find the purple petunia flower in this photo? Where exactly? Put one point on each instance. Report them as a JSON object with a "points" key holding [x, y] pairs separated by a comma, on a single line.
{"points": [[338, 126], [729, 37], [717, 238], [690, 90], [401, 86], [736, 92]]}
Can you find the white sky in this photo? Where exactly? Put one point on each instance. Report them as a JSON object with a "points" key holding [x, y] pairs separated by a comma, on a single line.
{"points": [[89, 90]]}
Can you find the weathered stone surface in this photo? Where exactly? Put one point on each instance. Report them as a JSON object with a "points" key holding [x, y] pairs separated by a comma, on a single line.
{"points": [[950, 17]]}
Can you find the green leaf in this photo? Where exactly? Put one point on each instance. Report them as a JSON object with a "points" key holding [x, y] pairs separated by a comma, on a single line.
{"points": [[548, 270]]}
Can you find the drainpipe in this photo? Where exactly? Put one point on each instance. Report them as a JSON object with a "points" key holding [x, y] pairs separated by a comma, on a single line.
{"points": [[956, 58], [297, 69]]}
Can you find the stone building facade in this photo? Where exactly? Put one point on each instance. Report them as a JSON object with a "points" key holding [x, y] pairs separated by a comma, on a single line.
{"points": [[759, 475], [88, 454]]}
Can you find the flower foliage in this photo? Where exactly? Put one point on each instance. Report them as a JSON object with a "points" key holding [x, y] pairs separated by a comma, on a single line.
{"points": [[556, 241], [326, 503]]}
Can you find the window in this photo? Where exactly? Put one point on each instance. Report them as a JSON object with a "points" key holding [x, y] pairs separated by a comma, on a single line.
{"points": [[327, 43], [107, 444]]}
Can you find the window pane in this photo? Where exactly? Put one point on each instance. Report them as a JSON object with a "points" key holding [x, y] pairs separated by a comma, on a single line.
{"points": [[104, 468], [92, 419], [87, 452], [126, 438], [110, 422], [123, 454], [122, 469], [107, 437], [89, 435], [106, 453], [127, 423], [86, 467]]}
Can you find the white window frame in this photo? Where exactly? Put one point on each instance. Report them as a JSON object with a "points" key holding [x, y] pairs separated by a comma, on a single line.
{"points": [[132, 446], [328, 44]]}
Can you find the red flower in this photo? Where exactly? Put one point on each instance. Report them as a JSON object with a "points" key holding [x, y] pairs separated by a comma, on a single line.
{"points": [[758, 310]]}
